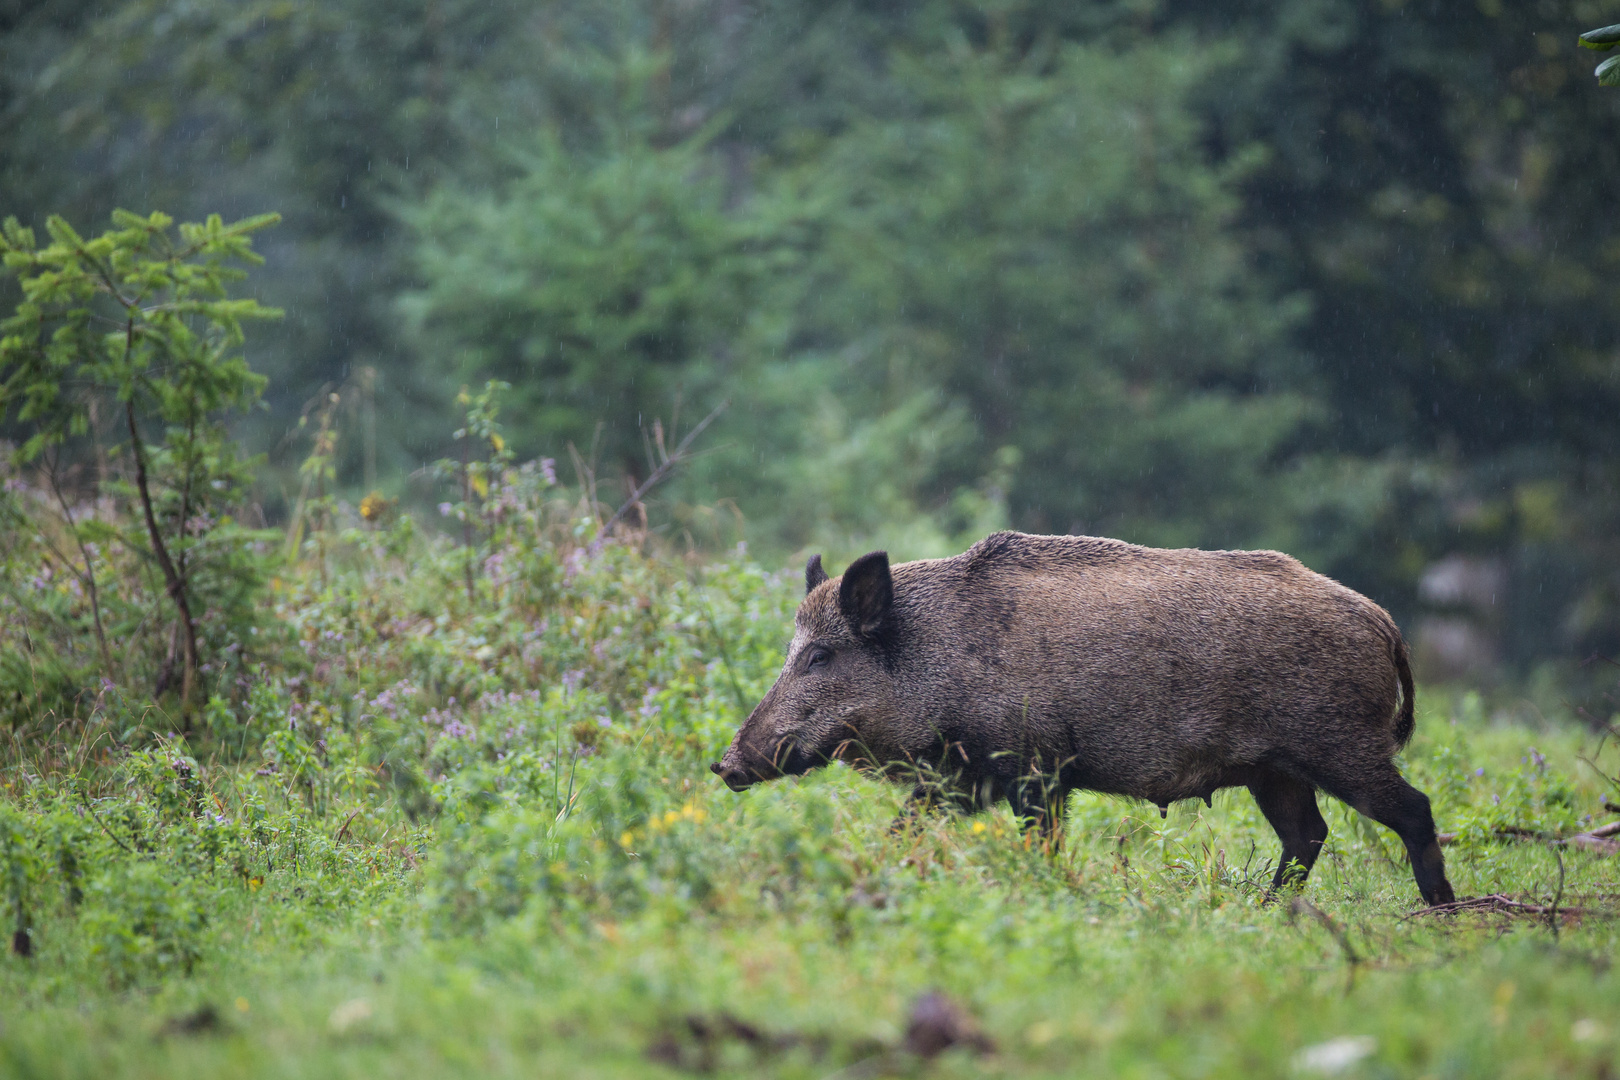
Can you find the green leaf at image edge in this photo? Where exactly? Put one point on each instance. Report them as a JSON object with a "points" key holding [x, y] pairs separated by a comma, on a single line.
{"points": [[1608, 72], [1602, 40]]}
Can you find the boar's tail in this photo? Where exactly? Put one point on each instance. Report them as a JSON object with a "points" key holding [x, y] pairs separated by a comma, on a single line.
{"points": [[1404, 721]]}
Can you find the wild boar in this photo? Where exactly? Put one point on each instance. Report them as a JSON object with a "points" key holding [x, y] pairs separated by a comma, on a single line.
{"points": [[1031, 666]]}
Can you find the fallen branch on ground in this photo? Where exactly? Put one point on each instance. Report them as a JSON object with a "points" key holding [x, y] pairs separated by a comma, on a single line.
{"points": [[1601, 839], [1501, 904]]}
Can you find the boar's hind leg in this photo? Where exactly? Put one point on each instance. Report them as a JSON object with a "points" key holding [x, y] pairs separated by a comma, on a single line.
{"points": [[1290, 806], [1386, 797]]}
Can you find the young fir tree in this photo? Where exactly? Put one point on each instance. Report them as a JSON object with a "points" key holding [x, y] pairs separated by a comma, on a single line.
{"points": [[138, 325]]}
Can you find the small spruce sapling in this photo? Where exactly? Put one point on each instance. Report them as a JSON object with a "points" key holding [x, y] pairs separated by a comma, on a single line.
{"points": [[134, 321]]}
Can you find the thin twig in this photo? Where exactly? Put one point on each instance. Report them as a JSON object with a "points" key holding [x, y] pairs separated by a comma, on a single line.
{"points": [[110, 834], [659, 474], [1552, 910], [89, 576], [1515, 832], [1506, 905], [1338, 932]]}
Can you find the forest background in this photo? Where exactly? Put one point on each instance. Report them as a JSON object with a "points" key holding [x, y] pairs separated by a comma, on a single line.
{"points": [[1328, 276]]}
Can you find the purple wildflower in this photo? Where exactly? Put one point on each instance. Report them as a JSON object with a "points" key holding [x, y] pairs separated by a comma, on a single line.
{"points": [[448, 722]]}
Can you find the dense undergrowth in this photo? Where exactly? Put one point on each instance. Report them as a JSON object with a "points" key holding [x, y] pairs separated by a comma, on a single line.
{"points": [[451, 814]]}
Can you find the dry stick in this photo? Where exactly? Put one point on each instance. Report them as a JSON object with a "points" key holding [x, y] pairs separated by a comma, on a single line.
{"points": [[1338, 933], [1552, 910], [1505, 904], [1602, 832], [659, 474], [89, 576]]}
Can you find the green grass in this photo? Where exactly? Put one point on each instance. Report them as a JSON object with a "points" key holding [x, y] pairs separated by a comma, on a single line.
{"points": [[544, 878]]}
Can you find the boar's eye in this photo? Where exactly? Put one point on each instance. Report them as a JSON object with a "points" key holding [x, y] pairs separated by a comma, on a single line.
{"points": [[819, 657]]}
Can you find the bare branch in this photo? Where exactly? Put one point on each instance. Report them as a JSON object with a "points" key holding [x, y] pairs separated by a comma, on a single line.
{"points": [[660, 474]]}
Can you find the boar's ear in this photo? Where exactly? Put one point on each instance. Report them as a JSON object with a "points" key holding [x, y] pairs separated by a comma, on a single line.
{"points": [[867, 594], [813, 574]]}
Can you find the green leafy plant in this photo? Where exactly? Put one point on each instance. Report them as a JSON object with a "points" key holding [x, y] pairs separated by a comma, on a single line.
{"points": [[138, 323], [1602, 40], [141, 921]]}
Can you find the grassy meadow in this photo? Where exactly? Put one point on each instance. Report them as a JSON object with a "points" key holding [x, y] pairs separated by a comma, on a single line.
{"points": [[453, 817]]}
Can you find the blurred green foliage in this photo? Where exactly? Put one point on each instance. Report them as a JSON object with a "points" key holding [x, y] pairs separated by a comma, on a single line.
{"points": [[1330, 275]]}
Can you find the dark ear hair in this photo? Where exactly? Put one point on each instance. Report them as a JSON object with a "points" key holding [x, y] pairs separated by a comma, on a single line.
{"points": [[813, 574], [866, 595]]}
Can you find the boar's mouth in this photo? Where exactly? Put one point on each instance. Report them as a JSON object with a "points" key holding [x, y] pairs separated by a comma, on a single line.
{"points": [[789, 760], [736, 779]]}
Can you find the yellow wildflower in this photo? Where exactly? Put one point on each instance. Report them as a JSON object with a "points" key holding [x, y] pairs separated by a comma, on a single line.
{"points": [[374, 507]]}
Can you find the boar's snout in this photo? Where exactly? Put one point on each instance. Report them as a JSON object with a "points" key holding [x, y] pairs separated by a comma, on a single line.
{"points": [[745, 762], [736, 779]]}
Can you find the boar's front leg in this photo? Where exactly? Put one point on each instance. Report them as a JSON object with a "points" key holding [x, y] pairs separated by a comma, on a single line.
{"points": [[1037, 802], [920, 801], [928, 796], [932, 793], [1290, 805]]}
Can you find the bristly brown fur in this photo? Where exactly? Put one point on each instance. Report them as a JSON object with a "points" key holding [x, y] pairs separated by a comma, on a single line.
{"points": [[1030, 666]]}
